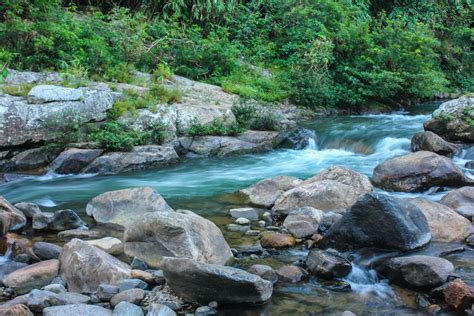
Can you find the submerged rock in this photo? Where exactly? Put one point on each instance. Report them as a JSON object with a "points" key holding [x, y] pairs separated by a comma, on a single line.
{"points": [[84, 267], [328, 264], [265, 192], [382, 221], [11, 218], [429, 141], [119, 208], [155, 235], [290, 273], [418, 172], [461, 200], [417, 271], [203, 283]]}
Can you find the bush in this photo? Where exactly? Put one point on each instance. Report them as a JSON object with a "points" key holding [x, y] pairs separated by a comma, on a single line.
{"points": [[253, 115], [215, 128], [115, 136]]}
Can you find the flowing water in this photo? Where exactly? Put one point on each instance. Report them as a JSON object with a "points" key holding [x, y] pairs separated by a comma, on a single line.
{"points": [[203, 186]]}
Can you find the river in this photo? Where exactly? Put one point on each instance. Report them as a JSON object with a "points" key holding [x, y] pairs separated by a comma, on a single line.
{"points": [[205, 186]]}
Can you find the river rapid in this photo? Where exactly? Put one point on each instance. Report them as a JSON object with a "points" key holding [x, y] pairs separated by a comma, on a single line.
{"points": [[205, 186]]}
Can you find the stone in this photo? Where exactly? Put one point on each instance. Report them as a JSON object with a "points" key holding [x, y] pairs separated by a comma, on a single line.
{"points": [[57, 221], [140, 157], [202, 283], [264, 271], [246, 212], [242, 221], [265, 192], [106, 291], [33, 276], [429, 141], [381, 221], [328, 264], [127, 309], [155, 235], [298, 138], [143, 275], [49, 93], [470, 241], [461, 200], [139, 264], [77, 309], [55, 288], [73, 160], [358, 182], [11, 219], [119, 208], [237, 228], [28, 209], [134, 296], [277, 240], [417, 172], [458, 295], [469, 164], [252, 233], [84, 267], [16, 310], [30, 159], [8, 267], [46, 250], [452, 120], [110, 245], [290, 273], [445, 224], [128, 284], [38, 300], [416, 271], [160, 310], [303, 222], [205, 311], [328, 219], [81, 233]]}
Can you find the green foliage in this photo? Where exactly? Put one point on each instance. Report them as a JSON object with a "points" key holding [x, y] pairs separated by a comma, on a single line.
{"points": [[215, 128], [253, 115], [17, 90], [115, 136], [67, 127]]}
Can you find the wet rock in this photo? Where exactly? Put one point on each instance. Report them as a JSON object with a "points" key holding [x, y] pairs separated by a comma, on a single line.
{"points": [[469, 164], [81, 233], [290, 273], [358, 182], [417, 271], [252, 233], [16, 310], [264, 271], [110, 245], [140, 157], [128, 284], [328, 219], [203, 283], [134, 296], [84, 267], [265, 192], [106, 291], [127, 309], [381, 221], [33, 276], [139, 264], [46, 250], [445, 224], [58, 221], [160, 310], [429, 141], [328, 264], [417, 172], [303, 222], [461, 200], [38, 300], [237, 228], [156, 235], [73, 160], [297, 138], [77, 309], [205, 311], [277, 240], [49, 93], [451, 120], [11, 218], [30, 159], [242, 221], [458, 295], [121, 207], [28, 209], [247, 213]]}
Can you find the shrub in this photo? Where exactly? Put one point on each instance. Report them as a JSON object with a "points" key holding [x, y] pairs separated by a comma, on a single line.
{"points": [[115, 136], [251, 114], [215, 128]]}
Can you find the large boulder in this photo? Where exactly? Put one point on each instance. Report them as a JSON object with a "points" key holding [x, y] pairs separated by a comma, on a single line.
{"points": [[84, 267], [429, 141], [416, 271], [417, 172], [265, 192], [382, 221], [155, 235], [57, 221], [303, 222], [445, 224], [10, 217], [452, 120], [33, 276], [119, 208], [203, 283], [358, 182], [461, 200], [140, 157], [73, 160]]}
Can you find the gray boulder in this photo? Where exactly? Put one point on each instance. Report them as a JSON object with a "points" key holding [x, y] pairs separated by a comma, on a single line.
{"points": [[155, 235], [264, 271], [203, 283], [303, 222], [11, 218], [429, 141], [265, 192], [73, 160], [38, 300], [417, 271], [328, 263], [77, 309], [30, 159], [49, 93], [119, 208], [461, 200], [380, 221], [84, 267], [127, 309], [57, 221], [417, 172]]}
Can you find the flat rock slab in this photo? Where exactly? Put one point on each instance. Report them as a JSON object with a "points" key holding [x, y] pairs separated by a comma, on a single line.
{"points": [[49, 93]]}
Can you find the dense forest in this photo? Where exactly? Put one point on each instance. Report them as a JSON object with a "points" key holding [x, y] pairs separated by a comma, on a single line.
{"points": [[313, 52]]}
